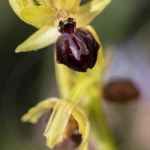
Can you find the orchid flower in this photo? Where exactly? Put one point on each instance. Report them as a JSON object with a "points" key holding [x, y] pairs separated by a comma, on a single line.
{"points": [[66, 19], [62, 112]]}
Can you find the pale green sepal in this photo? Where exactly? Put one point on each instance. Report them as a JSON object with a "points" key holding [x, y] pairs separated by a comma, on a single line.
{"points": [[38, 15], [36, 112], [58, 121], [15, 6], [84, 126], [40, 39], [89, 11]]}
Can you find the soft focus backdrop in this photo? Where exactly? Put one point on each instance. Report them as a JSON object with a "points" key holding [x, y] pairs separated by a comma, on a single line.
{"points": [[27, 78]]}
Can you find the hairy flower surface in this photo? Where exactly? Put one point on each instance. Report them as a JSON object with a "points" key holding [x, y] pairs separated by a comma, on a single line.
{"points": [[76, 49]]}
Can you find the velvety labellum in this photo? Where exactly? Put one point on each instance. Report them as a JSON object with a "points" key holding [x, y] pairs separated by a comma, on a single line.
{"points": [[76, 48]]}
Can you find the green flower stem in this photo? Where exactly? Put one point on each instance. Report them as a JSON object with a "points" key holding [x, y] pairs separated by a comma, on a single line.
{"points": [[98, 120]]}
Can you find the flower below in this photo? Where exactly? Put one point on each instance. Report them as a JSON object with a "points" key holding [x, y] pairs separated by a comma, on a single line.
{"points": [[67, 123]]}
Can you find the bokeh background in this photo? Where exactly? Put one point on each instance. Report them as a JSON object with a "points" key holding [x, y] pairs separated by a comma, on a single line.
{"points": [[27, 78]]}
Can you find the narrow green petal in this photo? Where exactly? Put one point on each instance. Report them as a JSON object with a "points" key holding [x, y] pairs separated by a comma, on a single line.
{"points": [[70, 5], [40, 39], [15, 6], [36, 112], [84, 126], [58, 121], [38, 15], [89, 11]]}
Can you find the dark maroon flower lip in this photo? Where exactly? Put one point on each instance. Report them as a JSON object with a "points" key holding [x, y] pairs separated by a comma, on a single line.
{"points": [[76, 48]]}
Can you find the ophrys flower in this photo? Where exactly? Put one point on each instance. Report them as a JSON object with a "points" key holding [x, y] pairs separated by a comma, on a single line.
{"points": [[58, 126], [75, 48]]}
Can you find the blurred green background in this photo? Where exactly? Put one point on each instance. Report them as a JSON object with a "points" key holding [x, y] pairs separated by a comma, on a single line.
{"points": [[27, 78]]}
